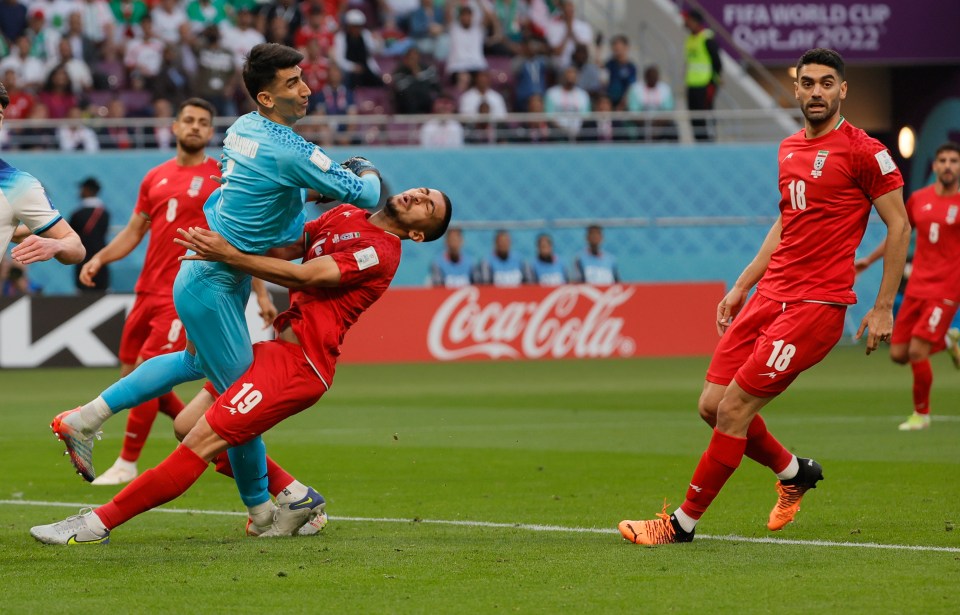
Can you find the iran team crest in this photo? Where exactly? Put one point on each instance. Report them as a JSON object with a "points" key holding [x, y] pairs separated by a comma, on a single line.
{"points": [[818, 163], [195, 184]]}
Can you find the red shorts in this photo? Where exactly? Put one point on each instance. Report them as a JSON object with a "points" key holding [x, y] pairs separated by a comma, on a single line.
{"points": [[927, 319], [279, 384], [770, 343], [152, 328]]}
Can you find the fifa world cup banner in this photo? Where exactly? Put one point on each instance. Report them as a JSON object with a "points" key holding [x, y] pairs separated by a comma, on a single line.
{"points": [[889, 31], [531, 322]]}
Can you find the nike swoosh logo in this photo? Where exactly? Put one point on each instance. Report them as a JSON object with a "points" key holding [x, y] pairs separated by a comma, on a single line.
{"points": [[73, 541], [302, 504]]}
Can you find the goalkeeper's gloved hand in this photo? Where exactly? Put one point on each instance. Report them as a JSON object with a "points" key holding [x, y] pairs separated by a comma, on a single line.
{"points": [[359, 164]]}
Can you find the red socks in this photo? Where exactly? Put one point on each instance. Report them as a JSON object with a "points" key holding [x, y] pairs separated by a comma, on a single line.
{"points": [[140, 420], [763, 448], [278, 477], [922, 383], [156, 486], [717, 464]]}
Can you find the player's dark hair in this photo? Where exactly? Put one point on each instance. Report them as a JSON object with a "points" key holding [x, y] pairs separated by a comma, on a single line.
{"points": [[594, 227], [4, 97], [949, 146], [197, 102], [825, 57], [440, 229], [619, 37], [262, 64]]}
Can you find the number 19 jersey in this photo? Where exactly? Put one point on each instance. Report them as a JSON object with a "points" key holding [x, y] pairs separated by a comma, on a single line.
{"points": [[827, 186]]}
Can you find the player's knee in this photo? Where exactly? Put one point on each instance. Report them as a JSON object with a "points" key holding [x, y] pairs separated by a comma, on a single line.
{"points": [[708, 410], [899, 357], [915, 355]]}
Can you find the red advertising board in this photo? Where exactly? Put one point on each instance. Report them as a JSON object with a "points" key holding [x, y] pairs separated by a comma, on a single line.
{"points": [[573, 321]]}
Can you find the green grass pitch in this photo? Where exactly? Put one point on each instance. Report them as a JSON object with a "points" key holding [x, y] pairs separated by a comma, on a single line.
{"points": [[573, 444]]}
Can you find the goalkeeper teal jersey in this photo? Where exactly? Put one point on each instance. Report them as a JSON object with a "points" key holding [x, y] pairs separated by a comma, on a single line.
{"points": [[267, 169]]}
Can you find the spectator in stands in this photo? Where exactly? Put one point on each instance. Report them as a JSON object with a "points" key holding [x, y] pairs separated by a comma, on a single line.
{"points": [[481, 92], [484, 129], [30, 69], [399, 13], [653, 95], [109, 73], [452, 268], [428, 29], [205, 13], [703, 71], [547, 268], [503, 267], [55, 12], [144, 52], [57, 94], [588, 73], [81, 79], [168, 16], [567, 97], [443, 131], [514, 19], [354, 50], [601, 128], [160, 135], [467, 32], [13, 19], [35, 137], [172, 82], [241, 37], [116, 134], [216, 76], [315, 66], [415, 85], [566, 32], [319, 26], [621, 71], [336, 98], [14, 281], [98, 22], [531, 73], [21, 101], [593, 265], [127, 14], [91, 222], [533, 131], [77, 135], [83, 46], [289, 12]]}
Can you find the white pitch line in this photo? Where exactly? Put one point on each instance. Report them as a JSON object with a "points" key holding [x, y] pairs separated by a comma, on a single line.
{"points": [[522, 526]]}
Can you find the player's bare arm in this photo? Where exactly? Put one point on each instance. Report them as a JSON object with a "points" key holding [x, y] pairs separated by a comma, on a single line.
{"points": [[59, 242], [210, 246], [266, 309], [735, 299], [879, 319], [20, 233], [118, 248]]}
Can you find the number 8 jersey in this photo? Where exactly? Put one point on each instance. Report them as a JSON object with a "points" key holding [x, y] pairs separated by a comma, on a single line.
{"points": [[827, 186]]}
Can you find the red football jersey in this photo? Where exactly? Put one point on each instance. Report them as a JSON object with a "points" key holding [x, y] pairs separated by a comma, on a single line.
{"points": [[368, 258], [936, 258], [171, 197], [827, 185]]}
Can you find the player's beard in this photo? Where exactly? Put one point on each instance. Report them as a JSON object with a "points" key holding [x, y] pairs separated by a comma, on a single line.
{"points": [[390, 207], [819, 117], [190, 148]]}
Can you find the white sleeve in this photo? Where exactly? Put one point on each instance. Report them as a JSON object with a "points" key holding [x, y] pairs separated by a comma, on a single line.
{"points": [[30, 204]]}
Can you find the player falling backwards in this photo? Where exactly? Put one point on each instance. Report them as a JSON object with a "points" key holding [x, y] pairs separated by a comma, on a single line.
{"points": [[268, 168], [171, 195], [933, 290], [830, 172], [349, 258]]}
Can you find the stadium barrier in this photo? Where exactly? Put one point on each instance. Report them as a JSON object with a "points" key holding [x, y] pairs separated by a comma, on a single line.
{"points": [[474, 322]]}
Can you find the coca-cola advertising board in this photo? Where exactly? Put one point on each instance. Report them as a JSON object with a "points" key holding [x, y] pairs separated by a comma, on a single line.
{"points": [[530, 322]]}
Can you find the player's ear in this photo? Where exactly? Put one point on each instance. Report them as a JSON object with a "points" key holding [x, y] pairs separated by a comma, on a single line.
{"points": [[417, 236], [843, 90], [264, 99]]}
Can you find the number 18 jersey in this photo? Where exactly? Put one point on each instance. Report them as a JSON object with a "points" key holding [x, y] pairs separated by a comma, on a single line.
{"points": [[827, 186]]}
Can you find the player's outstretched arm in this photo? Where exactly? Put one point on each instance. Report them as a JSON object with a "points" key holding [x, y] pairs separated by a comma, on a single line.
{"points": [[59, 242], [879, 319], [119, 247], [210, 246], [735, 299]]}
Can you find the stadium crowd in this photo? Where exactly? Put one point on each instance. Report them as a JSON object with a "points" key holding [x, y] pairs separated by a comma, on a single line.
{"points": [[109, 60]]}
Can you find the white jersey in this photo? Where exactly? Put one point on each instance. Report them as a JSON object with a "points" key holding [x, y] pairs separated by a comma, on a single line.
{"points": [[23, 200]]}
